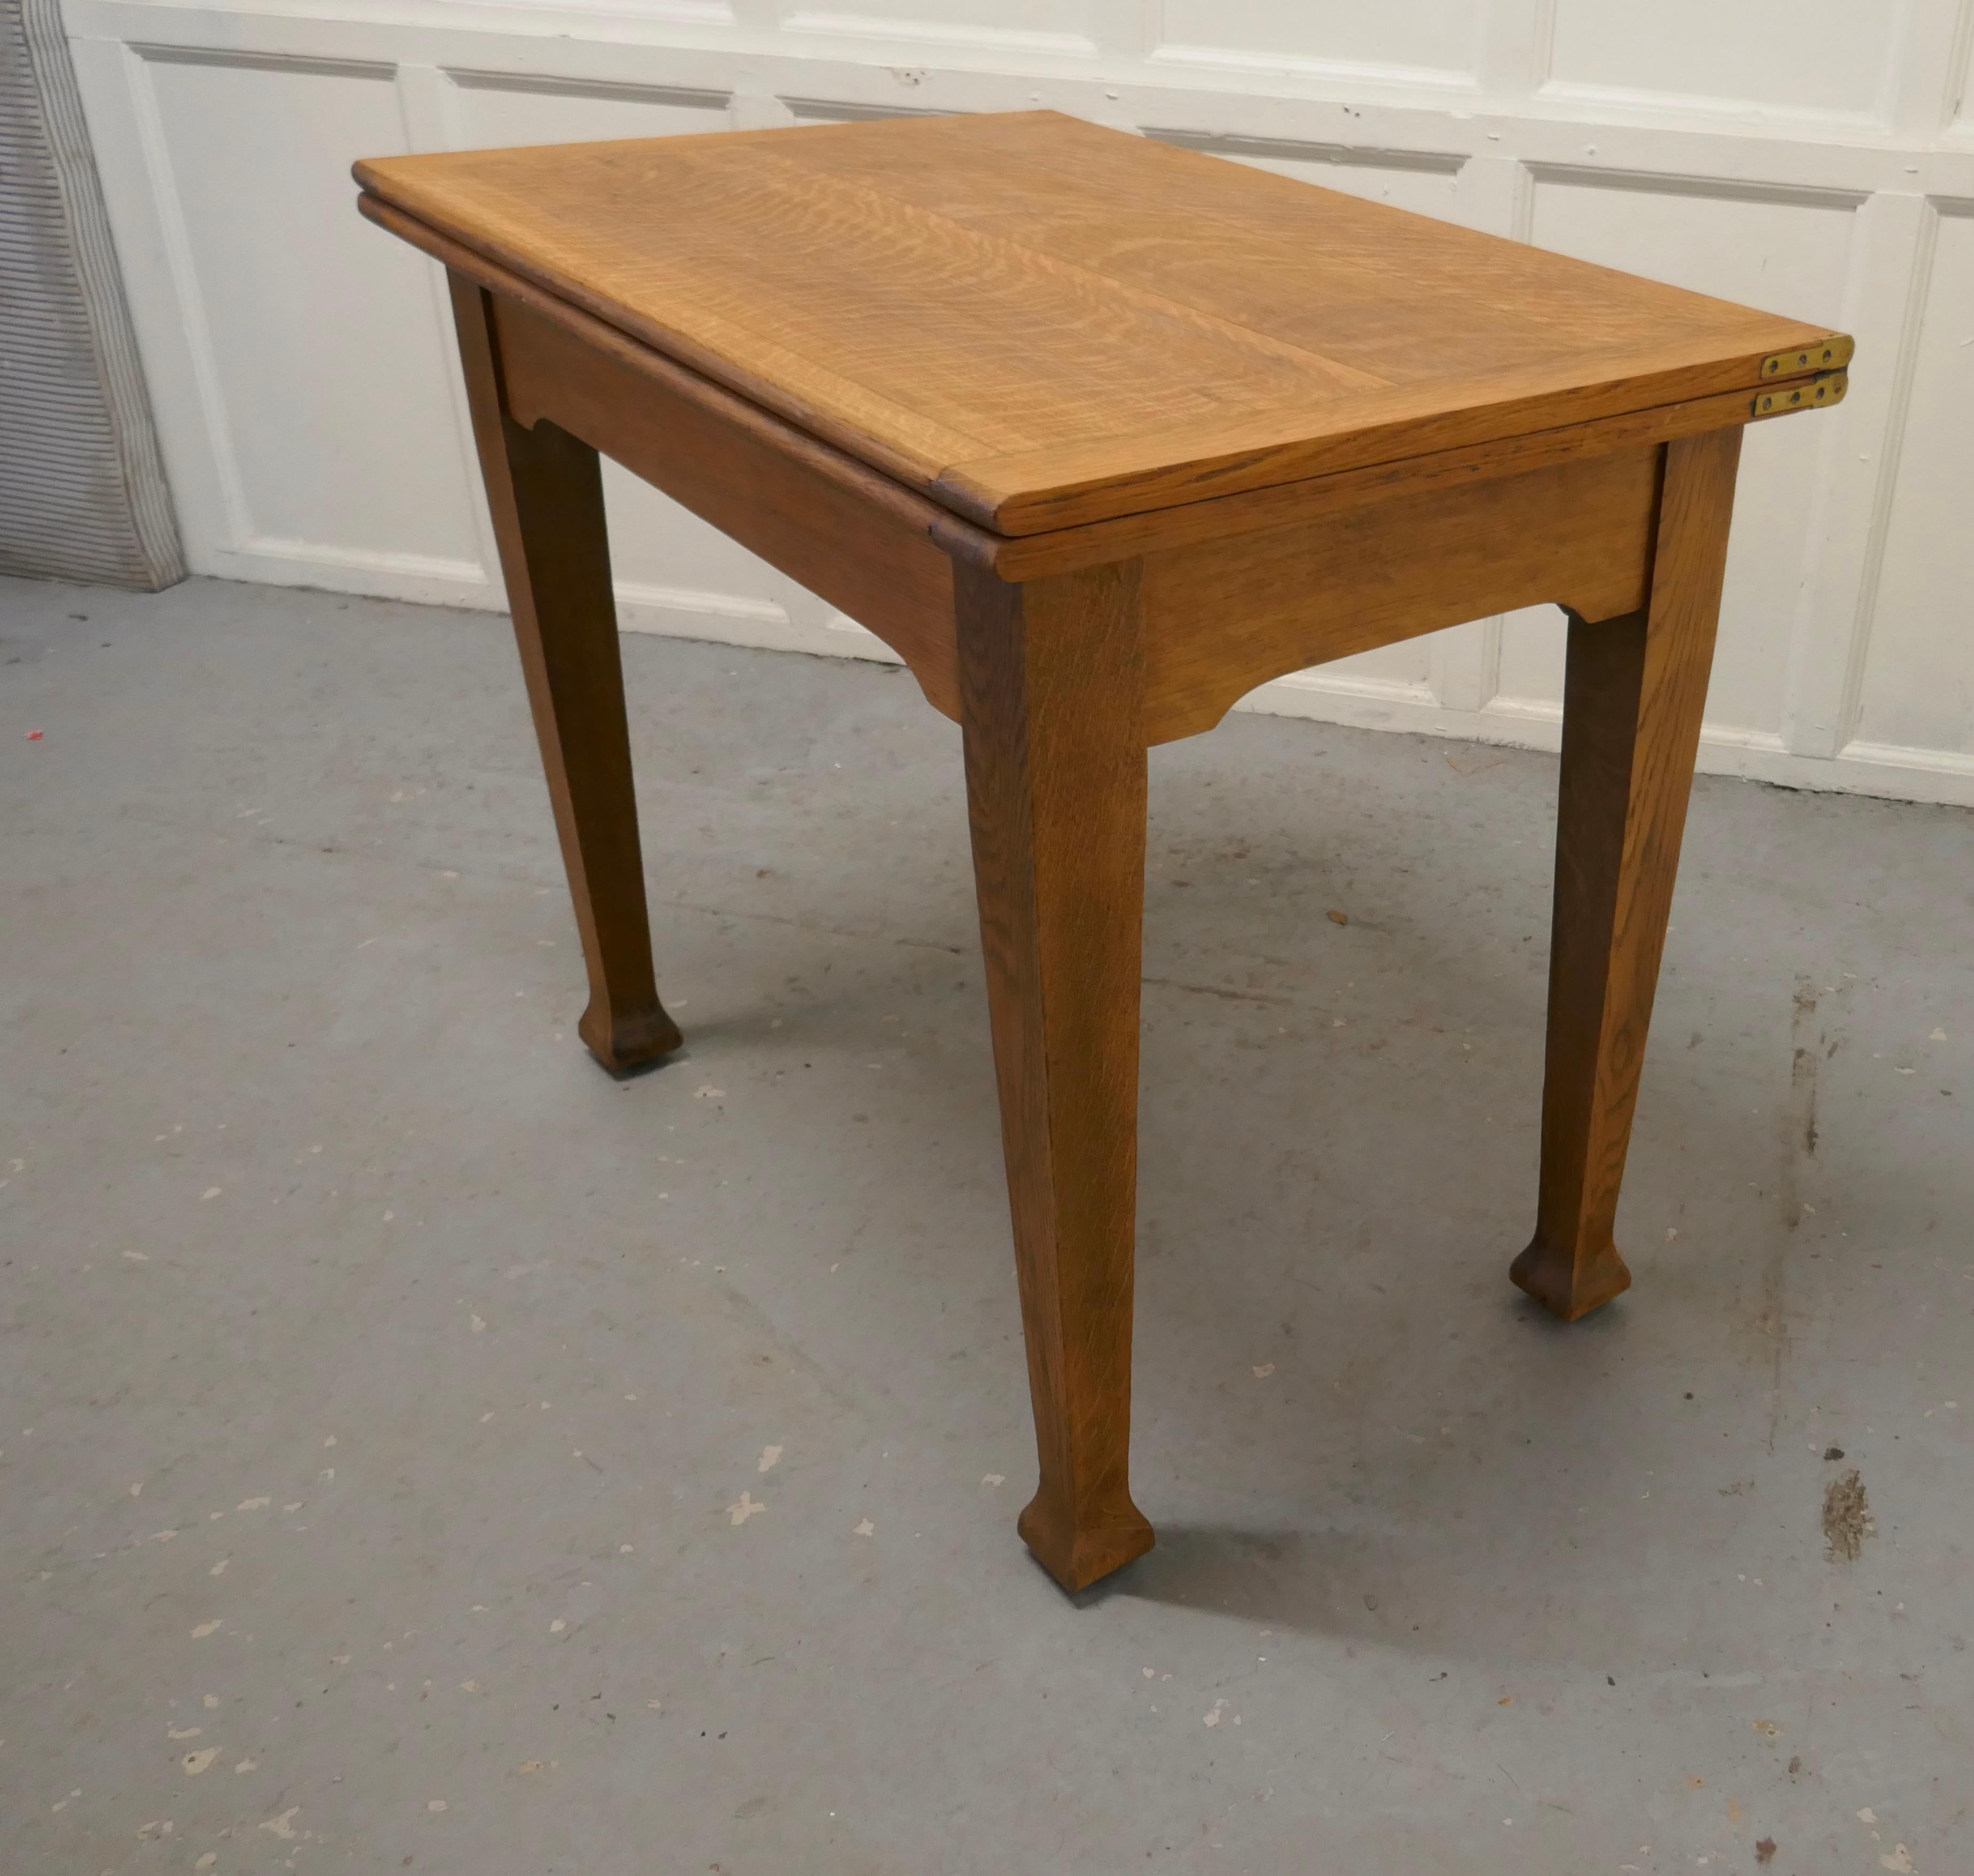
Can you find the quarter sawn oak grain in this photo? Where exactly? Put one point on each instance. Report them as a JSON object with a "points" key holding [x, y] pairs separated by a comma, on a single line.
{"points": [[1097, 435]]}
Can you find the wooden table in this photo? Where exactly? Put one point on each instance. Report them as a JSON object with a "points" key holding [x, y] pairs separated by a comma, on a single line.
{"points": [[1099, 434]]}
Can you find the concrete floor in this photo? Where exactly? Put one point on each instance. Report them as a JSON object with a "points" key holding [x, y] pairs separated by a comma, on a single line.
{"points": [[388, 1397]]}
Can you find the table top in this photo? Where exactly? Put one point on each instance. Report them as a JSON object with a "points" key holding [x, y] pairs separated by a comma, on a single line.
{"points": [[1038, 322]]}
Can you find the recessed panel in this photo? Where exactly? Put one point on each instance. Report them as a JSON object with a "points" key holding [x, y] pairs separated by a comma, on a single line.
{"points": [[947, 19], [653, 541], [331, 361], [1919, 672], [1409, 662], [1435, 36], [1787, 256], [1426, 186], [491, 111], [1532, 643], [1808, 55]]}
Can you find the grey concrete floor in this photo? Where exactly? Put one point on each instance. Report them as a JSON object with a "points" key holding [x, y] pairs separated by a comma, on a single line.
{"points": [[420, 1452]]}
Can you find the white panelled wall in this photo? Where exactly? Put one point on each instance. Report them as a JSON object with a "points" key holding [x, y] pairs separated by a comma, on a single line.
{"points": [[1814, 157]]}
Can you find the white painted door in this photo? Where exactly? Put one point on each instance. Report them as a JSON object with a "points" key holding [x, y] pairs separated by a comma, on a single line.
{"points": [[1815, 157]]}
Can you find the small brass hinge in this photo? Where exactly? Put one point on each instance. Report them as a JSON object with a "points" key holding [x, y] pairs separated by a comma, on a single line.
{"points": [[1830, 354], [1807, 394]]}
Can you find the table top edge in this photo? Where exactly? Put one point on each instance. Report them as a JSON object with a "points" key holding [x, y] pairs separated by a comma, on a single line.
{"points": [[1018, 496]]}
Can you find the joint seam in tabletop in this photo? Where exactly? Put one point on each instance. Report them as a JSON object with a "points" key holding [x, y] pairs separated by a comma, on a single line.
{"points": [[1044, 490], [1251, 511]]}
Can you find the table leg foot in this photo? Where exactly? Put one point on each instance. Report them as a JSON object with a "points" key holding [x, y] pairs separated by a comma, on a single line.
{"points": [[1568, 1285], [624, 1045], [1077, 1549]]}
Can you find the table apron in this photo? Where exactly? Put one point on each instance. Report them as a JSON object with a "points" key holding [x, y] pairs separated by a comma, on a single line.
{"points": [[1223, 616], [1219, 617], [875, 564]]}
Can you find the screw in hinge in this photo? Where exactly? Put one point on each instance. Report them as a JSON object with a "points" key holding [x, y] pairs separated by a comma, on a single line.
{"points": [[1829, 354]]}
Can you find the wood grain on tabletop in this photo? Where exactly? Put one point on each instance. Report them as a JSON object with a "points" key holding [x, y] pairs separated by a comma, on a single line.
{"points": [[1041, 322]]}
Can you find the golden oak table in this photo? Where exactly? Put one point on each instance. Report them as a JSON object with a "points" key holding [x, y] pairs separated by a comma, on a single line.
{"points": [[1098, 434]]}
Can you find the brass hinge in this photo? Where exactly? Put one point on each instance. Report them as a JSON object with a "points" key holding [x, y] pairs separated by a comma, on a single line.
{"points": [[1827, 387], [1830, 354]]}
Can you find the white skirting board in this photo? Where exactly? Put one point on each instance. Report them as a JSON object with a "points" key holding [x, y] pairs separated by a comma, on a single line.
{"points": [[1319, 696]]}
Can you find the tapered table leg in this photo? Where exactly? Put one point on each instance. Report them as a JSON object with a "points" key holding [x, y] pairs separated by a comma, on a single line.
{"points": [[1632, 698], [1051, 686], [545, 490]]}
